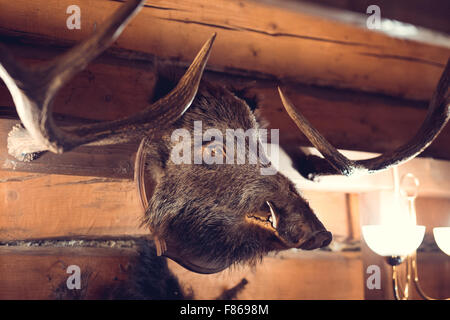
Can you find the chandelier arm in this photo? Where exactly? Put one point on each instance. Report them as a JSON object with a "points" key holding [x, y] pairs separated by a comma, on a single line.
{"points": [[416, 280], [412, 259], [408, 276], [397, 286]]}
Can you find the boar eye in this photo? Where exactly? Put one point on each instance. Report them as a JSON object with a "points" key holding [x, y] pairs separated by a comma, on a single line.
{"points": [[214, 149]]}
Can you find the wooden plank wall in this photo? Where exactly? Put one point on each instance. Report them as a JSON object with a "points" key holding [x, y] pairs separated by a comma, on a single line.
{"points": [[299, 277], [347, 281], [38, 273], [261, 38], [45, 206], [363, 90], [283, 45], [416, 12], [62, 206], [350, 120]]}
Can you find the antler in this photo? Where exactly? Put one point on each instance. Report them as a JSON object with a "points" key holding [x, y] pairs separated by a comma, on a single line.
{"points": [[436, 119], [33, 91]]}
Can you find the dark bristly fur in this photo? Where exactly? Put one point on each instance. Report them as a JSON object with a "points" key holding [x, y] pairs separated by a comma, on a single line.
{"points": [[148, 277], [200, 209], [151, 279]]}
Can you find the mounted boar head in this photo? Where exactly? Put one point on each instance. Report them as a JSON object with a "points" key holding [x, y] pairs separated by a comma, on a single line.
{"points": [[203, 214], [210, 214]]}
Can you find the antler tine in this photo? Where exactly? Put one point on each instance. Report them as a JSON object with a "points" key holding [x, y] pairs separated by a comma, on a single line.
{"points": [[437, 117], [342, 164], [164, 111], [33, 90], [73, 61]]}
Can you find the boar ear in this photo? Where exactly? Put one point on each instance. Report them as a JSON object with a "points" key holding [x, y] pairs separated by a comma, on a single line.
{"points": [[246, 94], [147, 174], [160, 244], [148, 171]]}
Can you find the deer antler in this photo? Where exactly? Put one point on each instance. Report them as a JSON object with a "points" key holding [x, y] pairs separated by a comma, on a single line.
{"points": [[436, 119], [33, 90]]}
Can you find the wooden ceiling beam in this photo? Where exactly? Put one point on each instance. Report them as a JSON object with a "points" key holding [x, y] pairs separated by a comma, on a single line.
{"points": [[261, 39], [350, 120]]}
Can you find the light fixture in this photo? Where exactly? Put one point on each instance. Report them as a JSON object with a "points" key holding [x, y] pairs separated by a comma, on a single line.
{"points": [[442, 238], [393, 241], [399, 236], [398, 239]]}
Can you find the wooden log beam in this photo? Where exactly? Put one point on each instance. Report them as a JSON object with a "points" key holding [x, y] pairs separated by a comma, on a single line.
{"points": [[264, 39], [114, 87], [349, 120], [37, 206], [38, 273], [115, 161], [45, 206], [416, 12], [41, 273]]}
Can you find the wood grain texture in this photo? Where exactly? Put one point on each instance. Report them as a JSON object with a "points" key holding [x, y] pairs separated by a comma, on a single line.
{"points": [[35, 273], [352, 201], [43, 206], [112, 88], [417, 12], [349, 120], [35, 205], [298, 276], [116, 161], [264, 39]]}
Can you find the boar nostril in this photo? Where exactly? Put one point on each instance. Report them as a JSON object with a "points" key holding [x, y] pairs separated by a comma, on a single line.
{"points": [[326, 238], [317, 240]]}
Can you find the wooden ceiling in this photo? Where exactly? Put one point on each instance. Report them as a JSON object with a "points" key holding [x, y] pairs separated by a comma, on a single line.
{"points": [[429, 14], [257, 39], [363, 90]]}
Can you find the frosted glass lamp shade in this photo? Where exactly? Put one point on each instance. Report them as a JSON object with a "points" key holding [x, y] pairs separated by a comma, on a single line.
{"points": [[442, 238], [388, 241]]}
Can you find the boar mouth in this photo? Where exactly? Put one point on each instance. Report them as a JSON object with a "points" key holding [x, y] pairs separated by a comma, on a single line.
{"points": [[269, 221], [319, 239], [266, 220]]}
